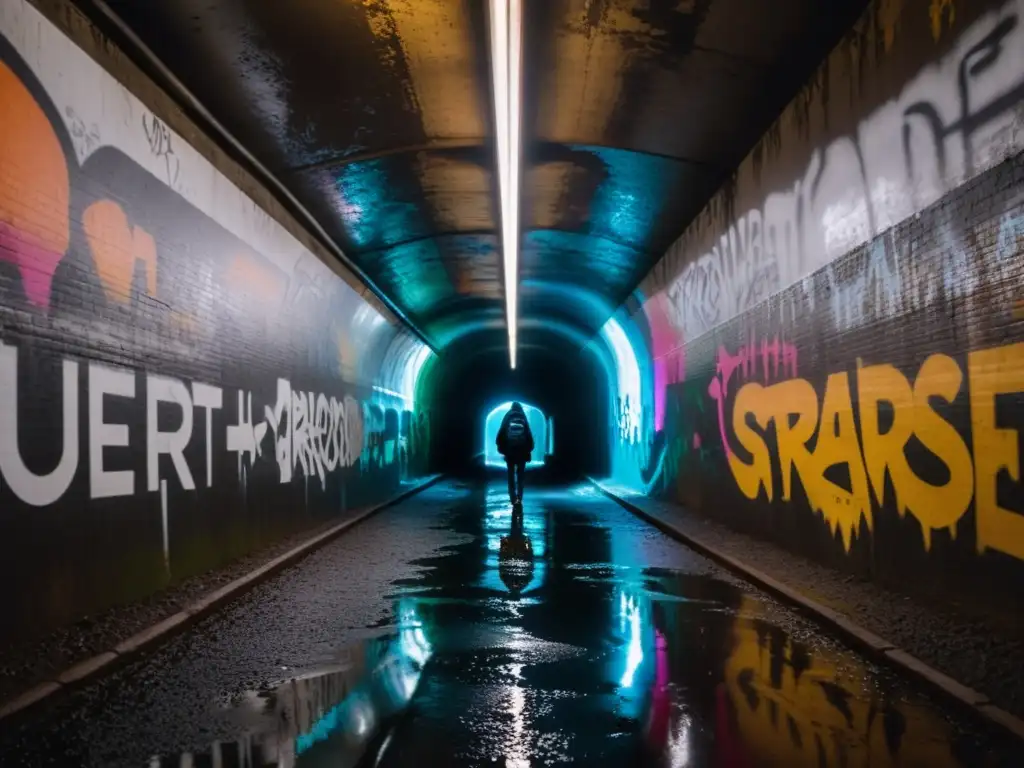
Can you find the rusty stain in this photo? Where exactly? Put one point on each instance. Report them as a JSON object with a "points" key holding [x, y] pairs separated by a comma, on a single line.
{"points": [[938, 10], [768, 146], [1018, 309], [863, 39], [889, 21]]}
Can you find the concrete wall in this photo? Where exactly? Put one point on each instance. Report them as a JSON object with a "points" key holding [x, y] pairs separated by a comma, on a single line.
{"points": [[185, 376], [831, 355]]}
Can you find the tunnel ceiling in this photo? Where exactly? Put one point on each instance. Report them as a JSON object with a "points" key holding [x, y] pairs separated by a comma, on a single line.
{"points": [[377, 115]]}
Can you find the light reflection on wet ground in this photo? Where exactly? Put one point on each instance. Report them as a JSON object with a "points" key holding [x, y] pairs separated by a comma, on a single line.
{"points": [[593, 656], [574, 633]]}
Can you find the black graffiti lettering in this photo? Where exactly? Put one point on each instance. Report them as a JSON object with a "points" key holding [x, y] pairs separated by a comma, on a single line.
{"points": [[975, 62], [159, 137]]}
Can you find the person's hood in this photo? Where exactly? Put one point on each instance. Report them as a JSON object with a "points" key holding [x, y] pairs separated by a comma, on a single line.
{"points": [[516, 407]]}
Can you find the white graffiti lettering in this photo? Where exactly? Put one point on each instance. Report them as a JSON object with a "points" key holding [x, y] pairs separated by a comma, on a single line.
{"points": [[162, 389], [958, 117], [37, 490], [313, 434], [243, 437], [209, 399], [317, 434], [277, 420], [104, 382]]}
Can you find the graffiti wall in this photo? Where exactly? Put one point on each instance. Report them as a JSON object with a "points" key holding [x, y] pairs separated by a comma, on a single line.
{"points": [[832, 355], [181, 381]]}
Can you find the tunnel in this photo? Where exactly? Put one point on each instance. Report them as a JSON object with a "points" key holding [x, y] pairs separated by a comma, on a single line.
{"points": [[273, 274]]}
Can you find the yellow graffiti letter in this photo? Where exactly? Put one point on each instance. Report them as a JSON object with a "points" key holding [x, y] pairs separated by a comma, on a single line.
{"points": [[993, 372], [794, 397], [933, 506], [750, 477], [940, 506], [838, 444], [876, 384]]}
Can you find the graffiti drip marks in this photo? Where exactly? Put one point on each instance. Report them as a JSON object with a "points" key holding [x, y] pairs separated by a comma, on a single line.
{"points": [[792, 408], [905, 439], [771, 354], [883, 388]]}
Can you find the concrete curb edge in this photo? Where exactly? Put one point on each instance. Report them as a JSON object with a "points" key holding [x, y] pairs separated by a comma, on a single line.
{"points": [[155, 634], [878, 647]]}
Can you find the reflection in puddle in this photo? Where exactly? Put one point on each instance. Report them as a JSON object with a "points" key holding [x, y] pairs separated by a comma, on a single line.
{"points": [[629, 618], [515, 557], [550, 641], [789, 702], [739, 690], [517, 546], [331, 717]]}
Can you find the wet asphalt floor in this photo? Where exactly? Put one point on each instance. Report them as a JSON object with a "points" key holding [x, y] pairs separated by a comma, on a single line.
{"points": [[450, 631]]}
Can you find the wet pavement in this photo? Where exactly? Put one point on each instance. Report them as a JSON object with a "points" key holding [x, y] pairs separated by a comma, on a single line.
{"points": [[451, 631]]}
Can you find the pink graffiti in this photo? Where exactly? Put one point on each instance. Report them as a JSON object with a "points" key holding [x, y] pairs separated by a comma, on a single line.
{"points": [[773, 355], [669, 357], [35, 263], [659, 719], [668, 370]]}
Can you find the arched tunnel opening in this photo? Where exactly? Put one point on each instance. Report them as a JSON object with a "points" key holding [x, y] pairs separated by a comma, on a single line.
{"points": [[540, 426], [567, 383]]}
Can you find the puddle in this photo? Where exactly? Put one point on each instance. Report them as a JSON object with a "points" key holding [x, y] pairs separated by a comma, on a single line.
{"points": [[599, 660], [540, 640], [334, 716]]}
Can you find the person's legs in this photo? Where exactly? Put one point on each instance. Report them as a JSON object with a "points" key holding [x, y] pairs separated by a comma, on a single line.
{"points": [[521, 472], [511, 480]]}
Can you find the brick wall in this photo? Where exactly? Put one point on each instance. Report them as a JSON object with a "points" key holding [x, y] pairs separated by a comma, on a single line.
{"points": [[888, 446], [831, 355], [181, 379]]}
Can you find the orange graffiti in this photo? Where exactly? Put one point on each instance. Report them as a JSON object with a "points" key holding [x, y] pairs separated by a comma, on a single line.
{"points": [[256, 280], [35, 191], [116, 246]]}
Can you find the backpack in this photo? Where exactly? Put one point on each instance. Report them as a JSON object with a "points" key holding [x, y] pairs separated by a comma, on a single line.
{"points": [[516, 434]]}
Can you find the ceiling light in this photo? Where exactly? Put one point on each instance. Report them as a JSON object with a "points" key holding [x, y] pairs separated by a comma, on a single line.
{"points": [[506, 65]]}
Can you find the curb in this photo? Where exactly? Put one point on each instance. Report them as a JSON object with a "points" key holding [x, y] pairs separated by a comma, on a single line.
{"points": [[909, 665], [151, 636]]}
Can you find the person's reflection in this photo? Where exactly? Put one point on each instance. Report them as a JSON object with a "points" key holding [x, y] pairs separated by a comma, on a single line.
{"points": [[515, 556]]}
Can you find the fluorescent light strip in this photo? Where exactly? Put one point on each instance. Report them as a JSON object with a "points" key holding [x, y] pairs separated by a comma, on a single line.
{"points": [[506, 62]]}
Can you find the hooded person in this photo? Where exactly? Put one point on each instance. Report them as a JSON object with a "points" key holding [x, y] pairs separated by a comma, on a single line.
{"points": [[515, 443]]}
